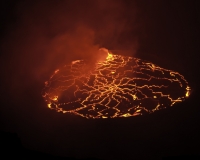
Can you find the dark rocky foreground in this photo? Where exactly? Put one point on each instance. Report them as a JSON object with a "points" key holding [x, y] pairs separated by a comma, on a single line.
{"points": [[173, 132]]}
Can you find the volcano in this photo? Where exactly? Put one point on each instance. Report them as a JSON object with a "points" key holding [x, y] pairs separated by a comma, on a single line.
{"points": [[115, 86]]}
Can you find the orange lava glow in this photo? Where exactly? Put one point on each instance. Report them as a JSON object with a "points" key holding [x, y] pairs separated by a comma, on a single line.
{"points": [[119, 86]]}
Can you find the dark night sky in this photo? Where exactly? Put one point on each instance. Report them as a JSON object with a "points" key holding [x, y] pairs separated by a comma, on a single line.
{"points": [[37, 37]]}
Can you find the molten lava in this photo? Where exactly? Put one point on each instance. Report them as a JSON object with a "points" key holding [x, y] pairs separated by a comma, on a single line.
{"points": [[116, 86]]}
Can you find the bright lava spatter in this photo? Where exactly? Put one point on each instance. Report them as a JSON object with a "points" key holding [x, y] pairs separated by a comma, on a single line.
{"points": [[119, 86]]}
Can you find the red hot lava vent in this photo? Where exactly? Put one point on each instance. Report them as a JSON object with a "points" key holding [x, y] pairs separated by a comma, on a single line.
{"points": [[117, 86]]}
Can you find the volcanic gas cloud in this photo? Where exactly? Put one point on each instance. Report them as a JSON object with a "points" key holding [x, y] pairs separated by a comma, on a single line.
{"points": [[115, 86]]}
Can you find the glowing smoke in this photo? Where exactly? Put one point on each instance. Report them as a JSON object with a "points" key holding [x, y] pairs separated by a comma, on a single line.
{"points": [[47, 35]]}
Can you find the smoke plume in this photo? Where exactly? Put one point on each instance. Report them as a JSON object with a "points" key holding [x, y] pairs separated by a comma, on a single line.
{"points": [[46, 35]]}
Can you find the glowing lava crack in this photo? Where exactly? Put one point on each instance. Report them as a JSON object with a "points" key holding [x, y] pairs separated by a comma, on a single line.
{"points": [[118, 86]]}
